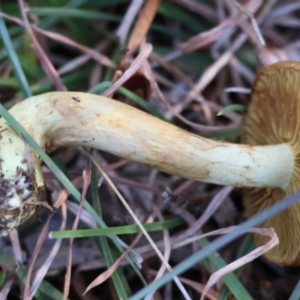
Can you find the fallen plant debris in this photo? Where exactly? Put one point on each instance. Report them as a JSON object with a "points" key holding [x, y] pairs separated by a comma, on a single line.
{"points": [[182, 57]]}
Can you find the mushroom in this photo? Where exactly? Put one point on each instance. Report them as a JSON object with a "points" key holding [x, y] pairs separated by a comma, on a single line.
{"points": [[268, 161]]}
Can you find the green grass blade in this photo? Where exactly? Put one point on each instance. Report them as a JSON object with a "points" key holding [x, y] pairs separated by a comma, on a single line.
{"points": [[231, 107], [53, 19], [2, 277], [16, 43], [98, 209], [119, 280], [74, 13], [71, 80], [174, 12], [228, 135], [14, 59], [115, 56], [247, 246], [134, 97], [126, 229], [106, 3], [9, 81], [100, 86], [231, 281]]}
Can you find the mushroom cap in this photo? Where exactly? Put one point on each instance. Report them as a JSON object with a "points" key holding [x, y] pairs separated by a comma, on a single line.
{"points": [[272, 118]]}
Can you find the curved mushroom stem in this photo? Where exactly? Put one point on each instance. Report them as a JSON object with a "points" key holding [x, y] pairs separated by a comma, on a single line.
{"points": [[61, 119]]}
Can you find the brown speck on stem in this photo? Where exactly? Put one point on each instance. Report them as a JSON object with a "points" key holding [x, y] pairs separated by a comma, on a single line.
{"points": [[76, 99]]}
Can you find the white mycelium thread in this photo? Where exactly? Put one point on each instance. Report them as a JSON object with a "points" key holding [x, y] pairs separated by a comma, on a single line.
{"points": [[13, 196], [15, 191], [18, 190]]}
